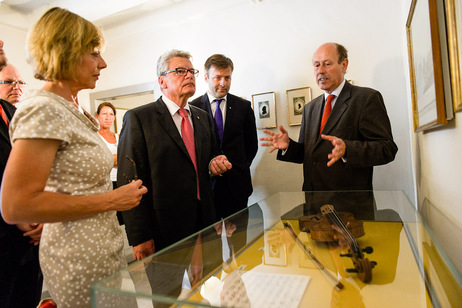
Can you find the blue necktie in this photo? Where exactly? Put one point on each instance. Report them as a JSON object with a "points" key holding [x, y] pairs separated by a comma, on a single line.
{"points": [[219, 119]]}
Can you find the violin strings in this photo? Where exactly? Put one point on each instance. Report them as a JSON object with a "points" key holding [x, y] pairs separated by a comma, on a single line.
{"points": [[347, 234], [339, 222]]}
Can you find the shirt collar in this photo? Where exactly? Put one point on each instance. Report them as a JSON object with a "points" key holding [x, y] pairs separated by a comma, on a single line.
{"points": [[212, 98], [172, 107], [337, 91]]}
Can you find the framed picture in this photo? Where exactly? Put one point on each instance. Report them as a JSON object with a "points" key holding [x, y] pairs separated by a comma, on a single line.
{"points": [[454, 26], [425, 64], [275, 252], [296, 100], [264, 107]]}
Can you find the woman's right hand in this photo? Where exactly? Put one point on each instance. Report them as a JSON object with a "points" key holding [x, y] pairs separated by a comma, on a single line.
{"points": [[128, 196]]}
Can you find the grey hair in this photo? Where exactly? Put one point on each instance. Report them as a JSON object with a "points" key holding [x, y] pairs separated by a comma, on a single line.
{"points": [[164, 60]]}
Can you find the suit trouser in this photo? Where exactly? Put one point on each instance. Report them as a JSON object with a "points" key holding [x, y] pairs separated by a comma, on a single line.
{"points": [[20, 278]]}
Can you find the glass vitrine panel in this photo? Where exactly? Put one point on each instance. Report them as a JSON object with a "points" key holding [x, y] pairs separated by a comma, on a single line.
{"points": [[251, 259]]}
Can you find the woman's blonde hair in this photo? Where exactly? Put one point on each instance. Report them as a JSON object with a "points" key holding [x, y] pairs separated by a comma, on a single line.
{"points": [[58, 41]]}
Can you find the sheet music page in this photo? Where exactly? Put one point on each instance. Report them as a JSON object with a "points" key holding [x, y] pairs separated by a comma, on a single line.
{"points": [[258, 289]]}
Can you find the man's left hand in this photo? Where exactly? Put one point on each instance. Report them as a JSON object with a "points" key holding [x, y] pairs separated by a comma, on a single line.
{"points": [[219, 165], [338, 151]]}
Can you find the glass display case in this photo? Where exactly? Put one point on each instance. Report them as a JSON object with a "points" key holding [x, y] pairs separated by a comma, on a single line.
{"points": [[278, 253]]}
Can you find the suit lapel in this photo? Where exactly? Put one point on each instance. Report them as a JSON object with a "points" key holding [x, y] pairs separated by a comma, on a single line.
{"points": [[341, 105], [230, 113], [166, 121], [206, 106], [315, 121], [199, 130], [9, 111], [4, 131]]}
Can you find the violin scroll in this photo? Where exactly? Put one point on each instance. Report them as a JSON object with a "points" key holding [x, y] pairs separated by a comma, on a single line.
{"points": [[362, 265]]}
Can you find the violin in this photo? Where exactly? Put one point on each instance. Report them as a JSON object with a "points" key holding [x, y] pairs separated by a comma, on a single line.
{"points": [[362, 265], [320, 227]]}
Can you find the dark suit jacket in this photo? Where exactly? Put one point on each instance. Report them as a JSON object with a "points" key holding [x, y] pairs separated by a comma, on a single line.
{"points": [[359, 118], [8, 232], [169, 211], [15, 249], [240, 142]]}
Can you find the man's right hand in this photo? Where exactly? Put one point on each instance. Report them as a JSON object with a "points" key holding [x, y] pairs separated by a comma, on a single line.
{"points": [[277, 141], [143, 250]]}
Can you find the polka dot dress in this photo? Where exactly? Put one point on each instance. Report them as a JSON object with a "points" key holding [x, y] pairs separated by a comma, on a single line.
{"points": [[74, 254]]}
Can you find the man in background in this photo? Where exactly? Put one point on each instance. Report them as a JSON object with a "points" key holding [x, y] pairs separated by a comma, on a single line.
{"points": [[235, 133], [20, 275], [11, 84], [170, 146]]}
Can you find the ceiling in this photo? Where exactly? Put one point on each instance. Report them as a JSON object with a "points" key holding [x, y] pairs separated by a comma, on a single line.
{"points": [[21, 14]]}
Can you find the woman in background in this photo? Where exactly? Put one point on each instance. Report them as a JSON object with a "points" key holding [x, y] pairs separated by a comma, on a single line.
{"points": [[105, 114], [58, 169]]}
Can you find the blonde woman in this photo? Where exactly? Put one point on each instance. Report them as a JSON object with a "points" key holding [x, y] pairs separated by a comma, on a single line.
{"points": [[58, 169]]}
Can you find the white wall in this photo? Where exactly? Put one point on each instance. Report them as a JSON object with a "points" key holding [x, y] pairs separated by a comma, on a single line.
{"points": [[15, 49], [437, 172], [271, 44]]}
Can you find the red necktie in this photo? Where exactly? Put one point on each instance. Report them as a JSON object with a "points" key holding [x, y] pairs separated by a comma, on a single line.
{"points": [[3, 114], [327, 110], [188, 138]]}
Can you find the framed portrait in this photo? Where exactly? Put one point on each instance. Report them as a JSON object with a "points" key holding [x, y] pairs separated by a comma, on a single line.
{"points": [[296, 100], [454, 27], [264, 107], [426, 65]]}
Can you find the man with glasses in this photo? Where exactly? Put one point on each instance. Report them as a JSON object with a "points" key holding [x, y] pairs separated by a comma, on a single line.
{"points": [[20, 275], [11, 84], [171, 144]]}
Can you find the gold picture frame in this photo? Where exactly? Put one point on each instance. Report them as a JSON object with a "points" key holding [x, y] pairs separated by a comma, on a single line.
{"points": [[296, 100], [425, 65], [454, 26], [264, 107]]}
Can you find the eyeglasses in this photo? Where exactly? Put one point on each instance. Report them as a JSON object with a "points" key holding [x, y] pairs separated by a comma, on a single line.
{"points": [[13, 83], [181, 71], [135, 174]]}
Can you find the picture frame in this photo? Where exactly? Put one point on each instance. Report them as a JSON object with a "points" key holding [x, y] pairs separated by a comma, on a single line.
{"points": [[425, 66], [275, 252], [296, 100], [454, 26], [264, 107]]}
